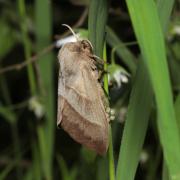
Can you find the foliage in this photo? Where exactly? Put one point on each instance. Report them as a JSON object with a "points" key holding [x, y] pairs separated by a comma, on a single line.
{"points": [[139, 43]]}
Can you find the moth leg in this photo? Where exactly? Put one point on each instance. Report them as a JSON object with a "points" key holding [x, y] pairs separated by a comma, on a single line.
{"points": [[98, 59], [110, 113], [101, 74]]}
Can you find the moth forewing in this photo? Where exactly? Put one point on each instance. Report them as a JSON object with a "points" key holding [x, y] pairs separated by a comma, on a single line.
{"points": [[81, 111]]}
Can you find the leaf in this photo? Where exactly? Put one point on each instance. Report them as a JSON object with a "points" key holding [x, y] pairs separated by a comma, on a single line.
{"points": [[135, 125], [96, 24], [7, 38], [149, 34], [8, 114], [46, 130], [66, 174]]}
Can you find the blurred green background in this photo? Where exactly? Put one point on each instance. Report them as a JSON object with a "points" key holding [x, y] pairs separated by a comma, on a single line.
{"points": [[140, 41]]}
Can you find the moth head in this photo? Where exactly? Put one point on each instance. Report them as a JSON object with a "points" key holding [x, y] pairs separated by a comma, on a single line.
{"points": [[83, 46], [86, 46]]}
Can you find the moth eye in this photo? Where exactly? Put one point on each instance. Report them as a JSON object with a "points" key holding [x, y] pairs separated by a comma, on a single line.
{"points": [[86, 45]]}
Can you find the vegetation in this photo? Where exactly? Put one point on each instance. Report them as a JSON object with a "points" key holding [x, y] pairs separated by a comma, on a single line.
{"points": [[139, 41]]}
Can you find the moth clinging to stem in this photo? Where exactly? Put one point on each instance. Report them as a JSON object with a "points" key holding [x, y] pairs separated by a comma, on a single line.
{"points": [[81, 99]]}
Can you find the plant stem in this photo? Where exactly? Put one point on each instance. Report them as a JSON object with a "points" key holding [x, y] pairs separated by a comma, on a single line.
{"points": [[110, 152], [26, 43], [17, 149]]}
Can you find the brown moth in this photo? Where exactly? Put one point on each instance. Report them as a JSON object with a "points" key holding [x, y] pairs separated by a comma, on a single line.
{"points": [[81, 109]]}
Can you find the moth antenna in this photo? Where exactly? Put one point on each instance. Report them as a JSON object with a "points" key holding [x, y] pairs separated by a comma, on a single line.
{"points": [[71, 31]]}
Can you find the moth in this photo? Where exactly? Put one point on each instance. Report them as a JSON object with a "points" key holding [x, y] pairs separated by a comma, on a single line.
{"points": [[81, 99]]}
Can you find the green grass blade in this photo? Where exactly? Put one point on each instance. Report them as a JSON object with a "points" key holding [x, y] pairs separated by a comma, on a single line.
{"points": [[111, 157], [63, 167], [28, 175], [127, 158], [174, 69], [8, 38], [102, 169], [164, 9], [66, 174], [34, 171], [27, 45], [10, 167], [150, 37], [97, 22], [177, 110], [165, 174], [7, 114], [36, 164], [135, 125], [46, 131], [4, 173], [98, 12], [110, 151]]}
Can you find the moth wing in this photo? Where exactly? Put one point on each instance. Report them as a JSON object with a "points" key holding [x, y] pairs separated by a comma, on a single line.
{"points": [[85, 96], [83, 112], [60, 108], [60, 104]]}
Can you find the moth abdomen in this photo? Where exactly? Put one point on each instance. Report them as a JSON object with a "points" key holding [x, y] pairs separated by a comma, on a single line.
{"points": [[90, 134]]}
